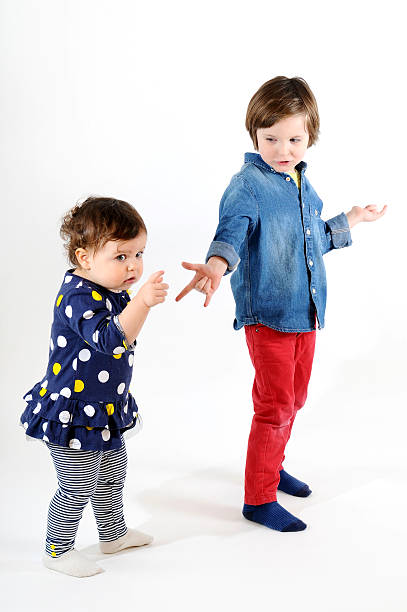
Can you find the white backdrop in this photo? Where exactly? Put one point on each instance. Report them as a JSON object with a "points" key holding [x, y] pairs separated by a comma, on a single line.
{"points": [[146, 102]]}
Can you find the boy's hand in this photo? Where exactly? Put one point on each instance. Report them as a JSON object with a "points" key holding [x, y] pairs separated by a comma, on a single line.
{"points": [[368, 213], [153, 291], [207, 278]]}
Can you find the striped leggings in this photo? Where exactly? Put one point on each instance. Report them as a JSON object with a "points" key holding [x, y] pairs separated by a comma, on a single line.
{"points": [[83, 475]]}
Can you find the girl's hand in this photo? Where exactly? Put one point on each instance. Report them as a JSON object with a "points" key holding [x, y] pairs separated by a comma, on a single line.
{"points": [[153, 291], [368, 213], [207, 278]]}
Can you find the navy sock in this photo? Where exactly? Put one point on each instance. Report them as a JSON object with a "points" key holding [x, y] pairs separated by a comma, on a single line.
{"points": [[293, 486], [274, 516]]}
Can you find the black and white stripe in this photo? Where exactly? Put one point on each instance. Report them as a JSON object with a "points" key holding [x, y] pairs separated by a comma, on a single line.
{"points": [[83, 475]]}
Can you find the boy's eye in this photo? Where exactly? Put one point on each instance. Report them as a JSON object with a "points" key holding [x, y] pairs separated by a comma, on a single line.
{"points": [[271, 139], [121, 257], [139, 254], [295, 139]]}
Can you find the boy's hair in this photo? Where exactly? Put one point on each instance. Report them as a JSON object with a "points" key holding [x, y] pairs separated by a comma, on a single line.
{"points": [[280, 98], [97, 220]]}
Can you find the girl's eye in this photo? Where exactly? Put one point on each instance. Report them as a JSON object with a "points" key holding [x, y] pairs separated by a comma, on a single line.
{"points": [[270, 139], [121, 257], [295, 139]]}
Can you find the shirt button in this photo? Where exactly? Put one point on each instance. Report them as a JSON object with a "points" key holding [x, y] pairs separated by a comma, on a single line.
{"points": [[311, 263], [287, 178], [316, 212], [308, 232], [314, 290]]}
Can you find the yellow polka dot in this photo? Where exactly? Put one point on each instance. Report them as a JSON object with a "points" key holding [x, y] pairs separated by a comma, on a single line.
{"points": [[125, 345], [53, 554], [79, 386], [52, 546], [110, 409], [43, 391], [89, 428], [56, 368], [117, 356], [59, 299], [96, 296]]}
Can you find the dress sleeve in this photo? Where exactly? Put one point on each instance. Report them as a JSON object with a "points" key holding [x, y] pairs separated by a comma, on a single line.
{"points": [[88, 314]]}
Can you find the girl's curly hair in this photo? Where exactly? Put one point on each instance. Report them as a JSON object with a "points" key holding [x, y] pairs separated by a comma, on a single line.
{"points": [[97, 220]]}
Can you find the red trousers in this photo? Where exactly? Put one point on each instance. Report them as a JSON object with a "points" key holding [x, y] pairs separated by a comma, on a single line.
{"points": [[282, 363]]}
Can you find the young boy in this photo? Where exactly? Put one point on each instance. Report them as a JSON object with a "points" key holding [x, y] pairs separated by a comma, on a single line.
{"points": [[271, 235]]}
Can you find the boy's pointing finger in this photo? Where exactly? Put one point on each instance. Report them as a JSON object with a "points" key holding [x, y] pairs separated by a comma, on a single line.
{"points": [[185, 291]]}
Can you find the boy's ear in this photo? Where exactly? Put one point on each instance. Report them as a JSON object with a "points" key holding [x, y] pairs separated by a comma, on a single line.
{"points": [[83, 258]]}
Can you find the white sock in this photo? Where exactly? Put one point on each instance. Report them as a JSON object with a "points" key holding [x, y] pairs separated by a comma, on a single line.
{"points": [[129, 540], [72, 563]]}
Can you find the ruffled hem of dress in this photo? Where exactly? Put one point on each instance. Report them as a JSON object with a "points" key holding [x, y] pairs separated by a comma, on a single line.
{"points": [[77, 423], [81, 438]]}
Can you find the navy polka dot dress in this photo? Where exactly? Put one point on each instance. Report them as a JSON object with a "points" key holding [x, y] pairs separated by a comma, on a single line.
{"points": [[83, 402]]}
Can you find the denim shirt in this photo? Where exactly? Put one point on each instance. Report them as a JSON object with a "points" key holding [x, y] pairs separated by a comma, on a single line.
{"points": [[273, 238]]}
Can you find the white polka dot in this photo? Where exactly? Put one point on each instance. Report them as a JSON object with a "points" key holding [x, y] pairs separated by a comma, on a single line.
{"points": [[64, 416], [44, 427], [65, 392], [131, 360], [68, 311], [118, 350], [108, 304], [126, 407], [68, 279], [37, 408], [64, 425], [44, 384], [103, 376], [121, 388], [51, 344], [108, 318], [84, 355], [89, 410], [74, 443], [28, 397], [25, 425], [88, 314], [95, 336], [75, 363], [54, 396], [61, 341], [106, 435], [79, 284], [134, 415], [45, 438]]}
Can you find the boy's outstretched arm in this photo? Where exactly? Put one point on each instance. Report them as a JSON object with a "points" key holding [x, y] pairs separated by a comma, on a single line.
{"points": [[369, 213], [207, 277]]}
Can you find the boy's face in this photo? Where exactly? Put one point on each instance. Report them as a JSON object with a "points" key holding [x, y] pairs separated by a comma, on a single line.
{"points": [[282, 146], [116, 266]]}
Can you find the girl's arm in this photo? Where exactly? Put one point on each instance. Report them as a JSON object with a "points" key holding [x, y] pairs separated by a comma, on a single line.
{"points": [[132, 317]]}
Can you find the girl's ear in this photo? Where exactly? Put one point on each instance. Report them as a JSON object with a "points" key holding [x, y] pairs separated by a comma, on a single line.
{"points": [[84, 258]]}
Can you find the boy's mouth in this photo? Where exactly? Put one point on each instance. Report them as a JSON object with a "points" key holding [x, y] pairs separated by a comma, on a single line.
{"points": [[130, 280]]}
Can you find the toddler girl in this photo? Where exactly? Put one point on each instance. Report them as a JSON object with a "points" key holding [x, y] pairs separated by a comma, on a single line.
{"points": [[82, 406]]}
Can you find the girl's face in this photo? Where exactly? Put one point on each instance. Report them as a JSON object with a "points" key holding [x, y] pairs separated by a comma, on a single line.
{"points": [[282, 146], [115, 266]]}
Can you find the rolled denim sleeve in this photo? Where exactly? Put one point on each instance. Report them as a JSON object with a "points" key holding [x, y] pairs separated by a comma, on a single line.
{"points": [[337, 232], [238, 214]]}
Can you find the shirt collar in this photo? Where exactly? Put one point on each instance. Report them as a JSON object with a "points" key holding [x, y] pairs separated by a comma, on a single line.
{"points": [[257, 160]]}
